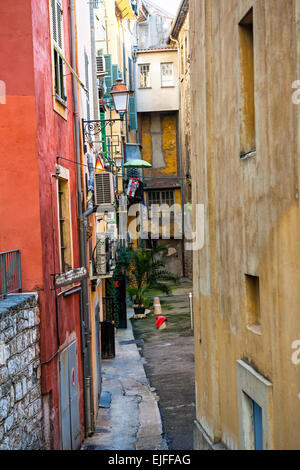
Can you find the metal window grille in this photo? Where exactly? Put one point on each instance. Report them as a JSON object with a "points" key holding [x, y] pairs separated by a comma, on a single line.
{"points": [[10, 273], [145, 76], [161, 197]]}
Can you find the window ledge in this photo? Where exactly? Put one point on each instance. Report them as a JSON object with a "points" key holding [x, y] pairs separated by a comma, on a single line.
{"points": [[256, 329], [145, 88], [245, 156], [61, 101]]}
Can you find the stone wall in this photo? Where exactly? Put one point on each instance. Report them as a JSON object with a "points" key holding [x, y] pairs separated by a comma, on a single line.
{"points": [[20, 388]]}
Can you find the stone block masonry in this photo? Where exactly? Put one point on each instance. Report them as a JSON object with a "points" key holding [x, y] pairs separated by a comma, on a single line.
{"points": [[20, 389]]}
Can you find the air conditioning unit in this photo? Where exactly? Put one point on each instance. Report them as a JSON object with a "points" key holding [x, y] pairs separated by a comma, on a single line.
{"points": [[112, 230], [104, 189], [100, 65], [101, 261], [105, 259], [110, 217]]}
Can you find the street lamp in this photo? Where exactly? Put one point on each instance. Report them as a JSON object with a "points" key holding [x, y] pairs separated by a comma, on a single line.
{"points": [[120, 96]]}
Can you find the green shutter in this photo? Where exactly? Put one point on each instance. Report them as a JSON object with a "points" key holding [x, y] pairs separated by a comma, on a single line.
{"points": [[108, 78], [108, 64], [103, 135], [132, 114], [114, 73]]}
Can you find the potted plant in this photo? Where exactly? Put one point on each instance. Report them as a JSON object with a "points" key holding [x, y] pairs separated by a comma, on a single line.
{"points": [[140, 300], [147, 272]]}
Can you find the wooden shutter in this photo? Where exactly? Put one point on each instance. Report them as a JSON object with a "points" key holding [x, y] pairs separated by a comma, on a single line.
{"points": [[115, 69], [57, 23], [108, 78], [132, 114], [58, 41]]}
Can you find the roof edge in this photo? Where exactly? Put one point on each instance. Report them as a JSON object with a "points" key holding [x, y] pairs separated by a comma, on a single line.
{"points": [[179, 20]]}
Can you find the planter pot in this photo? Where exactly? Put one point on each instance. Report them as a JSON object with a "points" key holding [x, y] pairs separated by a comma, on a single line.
{"points": [[139, 310]]}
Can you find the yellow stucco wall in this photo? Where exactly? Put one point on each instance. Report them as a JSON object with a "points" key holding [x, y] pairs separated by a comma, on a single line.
{"points": [[252, 223], [168, 144]]}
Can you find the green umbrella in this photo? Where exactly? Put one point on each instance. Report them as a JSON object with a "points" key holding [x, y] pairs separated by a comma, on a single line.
{"points": [[137, 164]]}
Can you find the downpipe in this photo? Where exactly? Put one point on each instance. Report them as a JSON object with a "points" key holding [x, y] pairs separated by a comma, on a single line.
{"points": [[84, 314]]}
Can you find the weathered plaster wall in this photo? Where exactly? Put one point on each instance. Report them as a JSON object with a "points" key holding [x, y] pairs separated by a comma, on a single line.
{"points": [[159, 141], [21, 424], [185, 126], [251, 216], [19, 206]]}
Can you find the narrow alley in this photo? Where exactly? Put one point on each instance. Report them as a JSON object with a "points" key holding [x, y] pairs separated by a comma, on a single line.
{"points": [[144, 406], [149, 227]]}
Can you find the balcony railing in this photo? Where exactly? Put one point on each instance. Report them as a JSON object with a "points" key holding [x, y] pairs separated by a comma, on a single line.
{"points": [[10, 273]]}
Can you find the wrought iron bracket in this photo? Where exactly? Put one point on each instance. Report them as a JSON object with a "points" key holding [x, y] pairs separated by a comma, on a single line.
{"points": [[92, 128]]}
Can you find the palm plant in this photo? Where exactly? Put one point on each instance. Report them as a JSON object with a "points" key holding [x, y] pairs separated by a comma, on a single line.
{"points": [[148, 272]]}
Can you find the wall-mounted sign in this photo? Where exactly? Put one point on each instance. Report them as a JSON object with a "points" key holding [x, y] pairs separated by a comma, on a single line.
{"points": [[70, 277]]}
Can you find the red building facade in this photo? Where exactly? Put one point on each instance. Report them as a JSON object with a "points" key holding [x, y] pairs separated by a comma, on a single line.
{"points": [[38, 203]]}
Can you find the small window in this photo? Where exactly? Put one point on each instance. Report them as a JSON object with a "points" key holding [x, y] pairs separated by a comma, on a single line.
{"points": [[253, 302], [145, 76], [64, 225], [167, 75], [161, 197], [247, 85], [58, 50]]}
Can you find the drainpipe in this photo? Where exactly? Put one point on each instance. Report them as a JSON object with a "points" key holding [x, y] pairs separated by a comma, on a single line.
{"points": [[134, 56], [94, 63], [180, 157], [84, 314]]}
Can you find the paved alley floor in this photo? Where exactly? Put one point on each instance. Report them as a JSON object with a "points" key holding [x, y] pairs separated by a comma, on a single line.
{"points": [[169, 356], [133, 421]]}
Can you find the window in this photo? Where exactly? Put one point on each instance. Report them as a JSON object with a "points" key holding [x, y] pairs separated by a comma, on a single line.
{"points": [[64, 225], [247, 86], [161, 197], [253, 303], [145, 76], [58, 50], [255, 409], [253, 423], [257, 426], [167, 75]]}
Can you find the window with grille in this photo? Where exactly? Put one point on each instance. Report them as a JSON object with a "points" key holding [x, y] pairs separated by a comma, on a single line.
{"points": [[167, 75], [145, 76], [58, 52], [161, 197]]}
